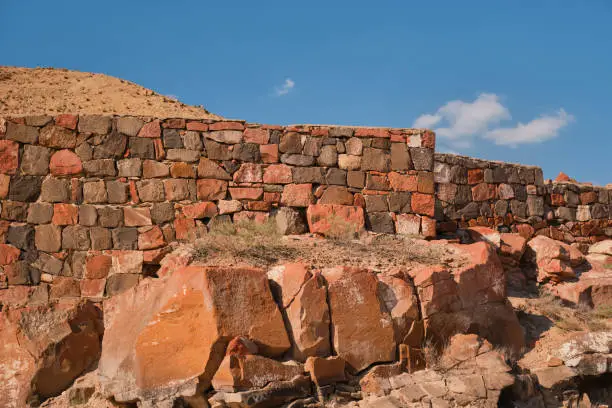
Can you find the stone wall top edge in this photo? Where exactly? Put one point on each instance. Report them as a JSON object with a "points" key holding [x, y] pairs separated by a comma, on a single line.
{"points": [[444, 157], [581, 186], [296, 127]]}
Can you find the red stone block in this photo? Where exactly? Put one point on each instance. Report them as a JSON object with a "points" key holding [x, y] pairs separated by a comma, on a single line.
{"points": [[174, 123], [588, 197], [9, 156], [150, 237], [8, 254], [272, 197], [258, 206], [249, 173], [320, 131], [272, 127], [246, 193], [197, 126], [562, 177], [204, 209], [64, 287], [92, 288], [475, 176], [335, 220], [423, 204], [269, 153], [160, 153], [256, 135], [211, 189], [426, 182], [64, 163], [151, 129], [336, 195], [182, 170], [277, 174], [4, 185], [136, 216], [403, 182], [372, 132], [428, 139], [297, 195], [226, 126], [98, 266], [185, 229], [428, 227], [67, 121], [65, 214], [484, 192], [557, 200], [134, 193]]}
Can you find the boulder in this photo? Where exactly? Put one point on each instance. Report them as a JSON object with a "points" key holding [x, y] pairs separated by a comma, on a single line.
{"points": [[324, 371], [601, 252], [303, 297], [362, 329], [592, 288], [512, 248], [246, 372], [44, 347], [555, 260], [470, 297], [588, 353], [399, 298], [191, 315], [485, 234]]}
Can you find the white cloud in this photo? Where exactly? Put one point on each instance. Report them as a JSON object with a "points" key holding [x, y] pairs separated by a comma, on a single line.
{"points": [[459, 122], [287, 86], [426, 121], [538, 130]]}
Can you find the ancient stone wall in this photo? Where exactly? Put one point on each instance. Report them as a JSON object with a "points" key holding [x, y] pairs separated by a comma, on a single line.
{"points": [[472, 192], [89, 204]]}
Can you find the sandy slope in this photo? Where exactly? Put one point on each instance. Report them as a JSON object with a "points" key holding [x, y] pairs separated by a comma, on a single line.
{"points": [[35, 91]]}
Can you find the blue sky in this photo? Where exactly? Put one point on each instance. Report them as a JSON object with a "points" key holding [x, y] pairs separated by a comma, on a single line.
{"points": [[544, 64]]}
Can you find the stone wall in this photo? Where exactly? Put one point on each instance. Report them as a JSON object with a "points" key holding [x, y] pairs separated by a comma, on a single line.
{"points": [[472, 192], [89, 204]]}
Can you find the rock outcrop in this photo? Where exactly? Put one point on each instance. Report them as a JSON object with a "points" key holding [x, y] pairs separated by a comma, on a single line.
{"points": [[469, 373], [470, 298], [555, 260], [45, 347], [192, 316]]}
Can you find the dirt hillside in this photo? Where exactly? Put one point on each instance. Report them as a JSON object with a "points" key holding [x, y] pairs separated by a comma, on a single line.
{"points": [[36, 91]]}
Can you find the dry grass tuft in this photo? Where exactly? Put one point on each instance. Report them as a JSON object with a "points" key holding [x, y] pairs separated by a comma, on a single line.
{"points": [[572, 318], [257, 244], [247, 241]]}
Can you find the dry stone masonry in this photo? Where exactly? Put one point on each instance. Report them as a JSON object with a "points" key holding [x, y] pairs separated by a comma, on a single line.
{"points": [[89, 204], [472, 192]]}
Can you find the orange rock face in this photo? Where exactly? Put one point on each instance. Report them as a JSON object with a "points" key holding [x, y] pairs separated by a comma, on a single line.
{"points": [[555, 260], [469, 297], [43, 348], [362, 328], [304, 299], [191, 316]]}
